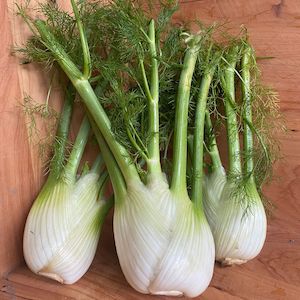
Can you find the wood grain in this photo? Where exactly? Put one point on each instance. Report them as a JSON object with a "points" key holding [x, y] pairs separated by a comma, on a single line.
{"points": [[16, 180], [274, 29]]}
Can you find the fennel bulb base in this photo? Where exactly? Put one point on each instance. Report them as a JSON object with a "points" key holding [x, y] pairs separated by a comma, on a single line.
{"points": [[226, 262], [168, 293], [52, 276]]}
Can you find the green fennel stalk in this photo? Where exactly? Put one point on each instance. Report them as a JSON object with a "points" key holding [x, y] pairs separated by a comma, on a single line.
{"points": [[247, 116], [212, 146], [228, 85], [198, 175], [178, 184]]}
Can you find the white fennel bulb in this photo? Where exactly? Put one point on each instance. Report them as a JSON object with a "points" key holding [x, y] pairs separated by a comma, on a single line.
{"points": [[63, 228], [171, 248], [241, 226], [212, 189]]}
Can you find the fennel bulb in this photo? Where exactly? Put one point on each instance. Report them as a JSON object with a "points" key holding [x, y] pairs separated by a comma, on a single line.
{"points": [[165, 247], [241, 226], [63, 228]]}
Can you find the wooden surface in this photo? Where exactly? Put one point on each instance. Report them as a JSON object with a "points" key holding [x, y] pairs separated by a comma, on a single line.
{"points": [[17, 172], [274, 28]]}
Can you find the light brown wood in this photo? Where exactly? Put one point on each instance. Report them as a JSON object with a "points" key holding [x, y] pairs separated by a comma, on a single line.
{"points": [[17, 185], [274, 29]]}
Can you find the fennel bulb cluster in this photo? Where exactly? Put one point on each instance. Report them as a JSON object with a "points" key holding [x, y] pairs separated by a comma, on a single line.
{"points": [[168, 229]]}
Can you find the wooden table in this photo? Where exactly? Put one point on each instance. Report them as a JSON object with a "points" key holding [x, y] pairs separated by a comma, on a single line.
{"points": [[274, 28]]}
